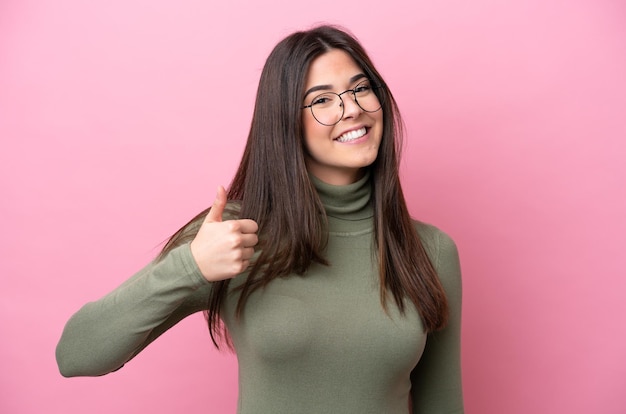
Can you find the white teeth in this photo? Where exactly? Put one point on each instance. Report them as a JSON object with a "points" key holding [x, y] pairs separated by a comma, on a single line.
{"points": [[352, 135]]}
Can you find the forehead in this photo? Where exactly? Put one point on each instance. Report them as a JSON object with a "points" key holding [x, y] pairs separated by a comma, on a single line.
{"points": [[334, 67]]}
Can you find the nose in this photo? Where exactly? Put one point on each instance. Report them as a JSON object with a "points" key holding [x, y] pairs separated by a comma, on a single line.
{"points": [[351, 108]]}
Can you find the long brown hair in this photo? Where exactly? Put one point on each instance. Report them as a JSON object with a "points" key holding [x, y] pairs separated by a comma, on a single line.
{"points": [[273, 188]]}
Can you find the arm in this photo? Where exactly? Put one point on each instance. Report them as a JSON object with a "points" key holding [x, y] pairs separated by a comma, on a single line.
{"points": [[436, 380], [103, 335]]}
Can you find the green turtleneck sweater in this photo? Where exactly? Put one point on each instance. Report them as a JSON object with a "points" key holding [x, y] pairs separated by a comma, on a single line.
{"points": [[319, 343]]}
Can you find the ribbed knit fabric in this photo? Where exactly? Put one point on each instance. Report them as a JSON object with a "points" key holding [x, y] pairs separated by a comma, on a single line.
{"points": [[317, 343]]}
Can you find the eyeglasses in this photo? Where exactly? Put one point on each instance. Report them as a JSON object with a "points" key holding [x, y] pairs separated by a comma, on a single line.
{"points": [[328, 108]]}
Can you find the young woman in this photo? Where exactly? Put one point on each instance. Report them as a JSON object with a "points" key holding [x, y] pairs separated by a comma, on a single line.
{"points": [[310, 267]]}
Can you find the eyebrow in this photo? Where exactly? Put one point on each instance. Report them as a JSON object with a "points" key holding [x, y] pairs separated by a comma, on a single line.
{"points": [[327, 87]]}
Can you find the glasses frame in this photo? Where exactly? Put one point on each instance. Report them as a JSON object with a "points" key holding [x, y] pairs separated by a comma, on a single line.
{"points": [[374, 88]]}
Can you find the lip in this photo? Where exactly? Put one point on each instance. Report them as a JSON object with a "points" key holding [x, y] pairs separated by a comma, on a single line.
{"points": [[367, 130]]}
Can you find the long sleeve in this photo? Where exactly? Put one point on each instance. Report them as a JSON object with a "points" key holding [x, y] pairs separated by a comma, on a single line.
{"points": [[103, 335], [436, 380]]}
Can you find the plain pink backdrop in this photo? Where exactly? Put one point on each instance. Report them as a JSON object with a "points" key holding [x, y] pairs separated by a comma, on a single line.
{"points": [[118, 120]]}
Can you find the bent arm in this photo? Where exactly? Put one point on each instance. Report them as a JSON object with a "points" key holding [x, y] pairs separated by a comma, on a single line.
{"points": [[103, 335], [436, 380]]}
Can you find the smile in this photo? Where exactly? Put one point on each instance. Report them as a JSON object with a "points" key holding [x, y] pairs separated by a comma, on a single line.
{"points": [[352, 135]]}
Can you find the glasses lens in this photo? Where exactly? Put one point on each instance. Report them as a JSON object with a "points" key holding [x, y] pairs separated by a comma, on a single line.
{"points": [[326, 108], [366, 98]]}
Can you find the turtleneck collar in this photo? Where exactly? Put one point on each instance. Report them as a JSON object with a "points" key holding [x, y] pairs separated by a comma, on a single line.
{"points": [[346, 202]]}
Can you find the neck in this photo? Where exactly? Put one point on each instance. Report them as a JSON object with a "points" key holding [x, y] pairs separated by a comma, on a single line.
{"points": [[345, 177], [348, 202]]}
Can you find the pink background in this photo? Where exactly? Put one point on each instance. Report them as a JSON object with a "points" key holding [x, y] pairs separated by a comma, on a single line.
{"points": [[118, 120]]}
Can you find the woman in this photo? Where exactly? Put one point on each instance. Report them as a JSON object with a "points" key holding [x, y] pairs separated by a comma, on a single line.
{"points": [[310, 268]]}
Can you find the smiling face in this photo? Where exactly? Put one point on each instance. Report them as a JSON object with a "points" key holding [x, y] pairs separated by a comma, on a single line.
{"points": [[338, 154]]}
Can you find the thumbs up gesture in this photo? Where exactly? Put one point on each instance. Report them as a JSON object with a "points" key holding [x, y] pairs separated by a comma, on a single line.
{"points": [[222, 249]]}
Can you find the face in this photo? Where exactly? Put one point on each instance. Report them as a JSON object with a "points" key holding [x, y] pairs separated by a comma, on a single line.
{"points": [[338, 154]]}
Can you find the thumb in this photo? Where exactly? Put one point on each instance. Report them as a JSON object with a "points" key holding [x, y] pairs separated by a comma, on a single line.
{"points": [[215, 214]]}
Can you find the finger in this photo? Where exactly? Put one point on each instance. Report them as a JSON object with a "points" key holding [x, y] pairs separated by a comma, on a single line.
{"points": [[249, 240], [247, 253], [248, 226], [245, 264], [215, 214]]}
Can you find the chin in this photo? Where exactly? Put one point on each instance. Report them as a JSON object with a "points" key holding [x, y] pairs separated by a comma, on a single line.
{"points": [[367, 161]]}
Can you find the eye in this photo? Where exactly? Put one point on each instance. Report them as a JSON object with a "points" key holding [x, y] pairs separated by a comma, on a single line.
{"points": [[362, 88], [319, 101], [326, 99]]}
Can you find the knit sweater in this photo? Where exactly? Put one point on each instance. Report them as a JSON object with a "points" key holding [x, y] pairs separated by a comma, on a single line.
{"points": [[317, 343]]}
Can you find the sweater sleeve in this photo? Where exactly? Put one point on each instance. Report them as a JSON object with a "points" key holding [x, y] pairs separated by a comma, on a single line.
{"points": [[436, 380], [103, 335]]}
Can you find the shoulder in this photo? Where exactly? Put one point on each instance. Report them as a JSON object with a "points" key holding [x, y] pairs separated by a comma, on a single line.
{"points": [[443, 254], [435, 241]]}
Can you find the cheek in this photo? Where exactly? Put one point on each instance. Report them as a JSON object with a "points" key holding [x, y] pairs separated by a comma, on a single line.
{"points": [[381, 126], [313, 132]]}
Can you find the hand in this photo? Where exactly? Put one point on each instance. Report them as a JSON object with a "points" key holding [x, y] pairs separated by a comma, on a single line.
{"points": [[222, 249]]}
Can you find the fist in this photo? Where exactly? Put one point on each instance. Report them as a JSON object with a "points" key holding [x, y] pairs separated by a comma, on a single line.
{"points": [[222, 249]]}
